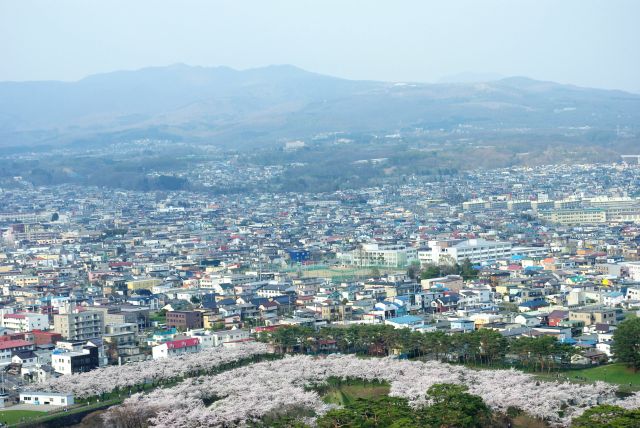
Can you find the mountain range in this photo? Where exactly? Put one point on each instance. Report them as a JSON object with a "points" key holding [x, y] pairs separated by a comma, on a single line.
{"points": [[241, 108]]}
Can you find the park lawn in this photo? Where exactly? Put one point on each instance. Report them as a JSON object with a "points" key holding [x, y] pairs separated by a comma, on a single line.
{"points": [[612, 373], [11, 417], [617, 374], [345, 394]]}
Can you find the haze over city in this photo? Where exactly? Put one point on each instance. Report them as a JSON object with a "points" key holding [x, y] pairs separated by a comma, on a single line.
{"points": [[586, 43]]}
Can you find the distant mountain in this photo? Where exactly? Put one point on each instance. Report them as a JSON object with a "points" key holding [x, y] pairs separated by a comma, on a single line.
{"points": [[469, 77], [231, 107]]}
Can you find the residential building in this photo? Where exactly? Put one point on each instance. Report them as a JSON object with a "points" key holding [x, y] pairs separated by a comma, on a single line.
{"points": [[176, 347], [25, 321], [79, 325], [9, 347], [81, 358], [591, 316]]}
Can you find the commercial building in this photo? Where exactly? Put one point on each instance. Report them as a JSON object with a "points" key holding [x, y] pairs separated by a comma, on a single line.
{"points": [[82, 359], [46, 399], [186, 320]]}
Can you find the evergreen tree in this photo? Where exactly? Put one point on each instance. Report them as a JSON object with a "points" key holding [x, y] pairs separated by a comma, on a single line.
{"points": [[626, 345]]}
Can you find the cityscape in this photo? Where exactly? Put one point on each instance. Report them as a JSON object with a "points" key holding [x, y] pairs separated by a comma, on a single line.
{"points": [[319, 214], [97, 278]]}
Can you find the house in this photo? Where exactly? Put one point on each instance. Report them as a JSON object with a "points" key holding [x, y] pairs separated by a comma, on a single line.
{"points": [[556, 317], [176, 347], [613, 298], [325, 346], [590, 356], [449, 282], [595, 315], [218, 338], [384, 310], [45, 337], [447, 303], [24, 358], [605, 347], [462, 325], [162, 336], [46, 399], [273, 290], [527, 320], [560, 333], [407, 321], [532, 305], [10, 347]]}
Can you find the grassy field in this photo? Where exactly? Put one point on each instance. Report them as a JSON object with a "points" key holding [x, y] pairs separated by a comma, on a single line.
{"points": [[346, 274], [617, 374], [11, 417], [345, 394], [612, 373]]}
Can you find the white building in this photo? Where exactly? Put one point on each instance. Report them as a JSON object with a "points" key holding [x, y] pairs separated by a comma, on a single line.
{"points": [[613, 298], [46, 399], [376, 254], [527, 320], [25, 321], [475, 298], [456, 251], [218, 338], [407, 321], [75, 357], [634, 270], [175, 348]]}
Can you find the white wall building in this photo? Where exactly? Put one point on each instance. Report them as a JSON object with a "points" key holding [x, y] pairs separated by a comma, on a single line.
{"points": [[376, 254], [25, 321], [218, 338], [46, 399], [634, 270], [175, 348], [455, 251]]}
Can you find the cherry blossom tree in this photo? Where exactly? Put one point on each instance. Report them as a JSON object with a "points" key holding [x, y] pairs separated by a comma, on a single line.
{"points": [[107, 379], [247, 393]]}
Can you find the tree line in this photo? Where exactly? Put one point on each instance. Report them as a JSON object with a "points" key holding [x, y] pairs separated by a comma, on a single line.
{"points": [[479, 347]]}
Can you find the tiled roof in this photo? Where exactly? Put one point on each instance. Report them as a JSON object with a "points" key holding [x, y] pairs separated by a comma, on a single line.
{"points": [[8, 344]]}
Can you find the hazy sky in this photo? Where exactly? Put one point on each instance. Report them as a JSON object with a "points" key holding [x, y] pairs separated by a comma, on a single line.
{"points": [[585, 42]]}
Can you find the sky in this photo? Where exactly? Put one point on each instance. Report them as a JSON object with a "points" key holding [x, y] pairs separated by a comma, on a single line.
{"points": [[584, 42]]}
